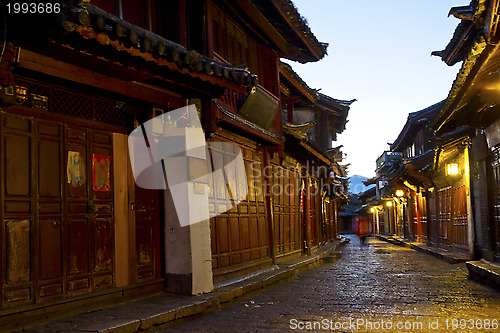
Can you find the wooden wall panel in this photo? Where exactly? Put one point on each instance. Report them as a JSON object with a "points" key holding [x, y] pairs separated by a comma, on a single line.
{"points": [[17, 227], [50, 249], [17, 166], [285, 189], [241, 235], [100, 206], [103, 245], [315, 211], [443, 210], [495, 199], [78, 240], [57, 234], [459, 219], [18, 250]]}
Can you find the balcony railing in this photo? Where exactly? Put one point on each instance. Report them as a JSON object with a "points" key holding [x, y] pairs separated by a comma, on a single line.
{"points": [[387, 159], [232, 100], [260, 107]]}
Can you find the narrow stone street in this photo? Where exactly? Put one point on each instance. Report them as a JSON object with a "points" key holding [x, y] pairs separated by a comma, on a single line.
{"points": [[374, 287]]}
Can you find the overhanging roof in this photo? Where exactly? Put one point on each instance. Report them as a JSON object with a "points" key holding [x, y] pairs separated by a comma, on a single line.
{"points": [[88, 36], [285, 17], [414, 122], [288, 75], [468, 102]]}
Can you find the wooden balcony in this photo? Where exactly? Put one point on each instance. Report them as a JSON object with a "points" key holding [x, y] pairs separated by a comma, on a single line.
{"points": [[232, 100]]}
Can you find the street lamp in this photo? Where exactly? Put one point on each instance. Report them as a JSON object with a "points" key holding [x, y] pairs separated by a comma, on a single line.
{"points": [[388, 203], [400, 193], [372, 210]]}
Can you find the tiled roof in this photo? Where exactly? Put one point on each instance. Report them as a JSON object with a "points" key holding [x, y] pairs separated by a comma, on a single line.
{"points": [[335, 103], [288, 74], [148, 42], [457, 48], [414, 121], [88, 29], [339, 109], [282, 14], [463, 38], [479, 47], [299, 130]]}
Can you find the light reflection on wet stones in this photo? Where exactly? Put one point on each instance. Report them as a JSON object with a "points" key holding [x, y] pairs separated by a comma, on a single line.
{"points": [[376, 281]]}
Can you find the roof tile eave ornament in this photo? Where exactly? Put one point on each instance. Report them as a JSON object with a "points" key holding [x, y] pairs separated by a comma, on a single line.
{"points": [[472, 19], [82, 16], [286, 70], [308, 144], [479, 46], [344, 105], [319, 48], [455, 52]]}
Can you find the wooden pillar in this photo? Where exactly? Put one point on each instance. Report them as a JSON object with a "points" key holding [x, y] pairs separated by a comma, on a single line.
{"points": [[123, 216], [307, 215], [269, 202]]}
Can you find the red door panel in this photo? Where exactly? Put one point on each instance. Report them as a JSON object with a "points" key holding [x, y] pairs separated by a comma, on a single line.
{"points": [[57, 233]]}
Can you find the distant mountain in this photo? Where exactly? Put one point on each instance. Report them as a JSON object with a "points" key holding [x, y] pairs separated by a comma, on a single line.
{"points": [[356, 184]]}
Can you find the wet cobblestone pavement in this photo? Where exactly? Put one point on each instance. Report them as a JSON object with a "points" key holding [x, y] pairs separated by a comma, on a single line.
{"points": [[376, 287]]}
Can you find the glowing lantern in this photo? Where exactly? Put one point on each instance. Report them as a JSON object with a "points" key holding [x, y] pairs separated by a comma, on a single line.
{"points": [[452, 169]]}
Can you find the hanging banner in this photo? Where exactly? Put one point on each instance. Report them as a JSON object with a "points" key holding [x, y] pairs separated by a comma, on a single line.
{"points": [[302, 189], [100, 172], [75, 169]]}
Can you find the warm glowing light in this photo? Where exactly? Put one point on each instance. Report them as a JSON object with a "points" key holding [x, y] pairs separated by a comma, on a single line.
{"points": [[389, 203], [372, 210], [400, 193], [452, 169]]}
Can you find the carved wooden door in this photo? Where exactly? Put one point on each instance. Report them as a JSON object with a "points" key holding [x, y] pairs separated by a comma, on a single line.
{"points": [[89, 200], [443, 216], [315, 210], [147, 233], [285, 190], [56, 212], [459, 227], [495, 201]]}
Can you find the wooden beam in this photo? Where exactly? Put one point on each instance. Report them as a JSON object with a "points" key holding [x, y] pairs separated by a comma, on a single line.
{"points": [[50, 66]]}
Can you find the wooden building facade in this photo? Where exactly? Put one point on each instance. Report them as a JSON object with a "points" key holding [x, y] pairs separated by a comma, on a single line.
{"points": [[425, 192], [76, 230], [473, 101]]}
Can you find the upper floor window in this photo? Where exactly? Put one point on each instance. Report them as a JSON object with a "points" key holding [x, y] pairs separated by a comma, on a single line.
{"points": [[410, 151], [161, 17], [132, 11]]}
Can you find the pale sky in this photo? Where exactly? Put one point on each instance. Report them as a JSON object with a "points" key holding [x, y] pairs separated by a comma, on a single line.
{"points": [[379, 54]]}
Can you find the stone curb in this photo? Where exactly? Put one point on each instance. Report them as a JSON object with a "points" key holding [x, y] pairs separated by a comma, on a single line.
{"points": [[148, 315], [485, 273], [448, 257]]}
